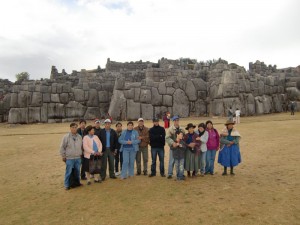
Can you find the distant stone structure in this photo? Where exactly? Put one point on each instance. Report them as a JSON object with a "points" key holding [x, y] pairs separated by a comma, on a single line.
{"points": [[131, 90]]}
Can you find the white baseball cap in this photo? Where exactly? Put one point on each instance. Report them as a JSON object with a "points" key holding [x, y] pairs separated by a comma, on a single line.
{"points": [[107, 121], [140, 119]]}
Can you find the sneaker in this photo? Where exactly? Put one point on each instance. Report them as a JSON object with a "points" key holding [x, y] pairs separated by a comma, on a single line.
{"points": [[202, 175], [212, 173], [67, 188], [163, 175], [113, 177], [224, 174], [232, 173], [117, 173], [169, 177], [97, 181], [138, 173], [145, 173], [151, 175]]}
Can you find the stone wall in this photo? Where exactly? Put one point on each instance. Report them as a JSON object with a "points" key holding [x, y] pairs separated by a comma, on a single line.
{"points": [[130, 90]]}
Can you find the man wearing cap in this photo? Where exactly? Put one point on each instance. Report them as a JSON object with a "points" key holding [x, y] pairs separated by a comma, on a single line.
{"points": [[97, 127], [170, 139], [143, 147], [157, 136], [109, 140]]}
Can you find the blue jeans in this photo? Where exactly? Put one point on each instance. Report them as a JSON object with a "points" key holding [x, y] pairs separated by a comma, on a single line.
{"points": [[210, 160], [202, 161], [161, 154], [70, 164], [179, 165], [171, 163], [128, 162]]}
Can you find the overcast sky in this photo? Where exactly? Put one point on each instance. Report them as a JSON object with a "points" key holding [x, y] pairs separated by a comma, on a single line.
{"points": [[82, 34]]}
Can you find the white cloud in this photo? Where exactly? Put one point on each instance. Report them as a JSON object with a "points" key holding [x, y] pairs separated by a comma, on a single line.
{"points": [[70, 34]]}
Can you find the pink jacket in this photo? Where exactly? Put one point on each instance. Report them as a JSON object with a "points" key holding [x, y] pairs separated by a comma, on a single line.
{"points": [[88, 145]]}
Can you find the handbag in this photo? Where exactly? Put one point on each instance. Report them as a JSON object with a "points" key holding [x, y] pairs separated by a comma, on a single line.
{"points": [[95, 163]]}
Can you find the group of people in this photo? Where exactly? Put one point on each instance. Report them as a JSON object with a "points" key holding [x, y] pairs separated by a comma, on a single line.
{"points": [[191, 149]]}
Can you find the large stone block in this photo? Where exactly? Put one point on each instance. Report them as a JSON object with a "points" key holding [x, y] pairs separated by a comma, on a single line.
{"points": [[117, 107], [156, 98], [24, 98], [180, 103], [93, 98], [46, 98], [259, 107], [37, 99], [229, 90], [167, 100], [78, 95], [147, 111], [92, 113], [59, 88], [56, 111], [145, 96], [44, 113], [18, 115], [34, 114], [217, 107], [133, 110], [55, 98], [75, 110], [64, 98], [162, 89], [170, 90], [200, 84], [200, 108], [120, 83], [229, 77], [129, 94], [137, 93], [103, 96], [191, 91], [14, 100]]}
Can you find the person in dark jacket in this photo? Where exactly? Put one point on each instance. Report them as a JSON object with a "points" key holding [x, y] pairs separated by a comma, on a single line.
{"points": [[82, 132], [157, 136], [97, 127], [109, 140], [179, 154], [119, 155]]}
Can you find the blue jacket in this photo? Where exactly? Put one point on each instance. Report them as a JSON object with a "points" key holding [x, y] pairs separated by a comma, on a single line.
{"points": [[134, 139]]}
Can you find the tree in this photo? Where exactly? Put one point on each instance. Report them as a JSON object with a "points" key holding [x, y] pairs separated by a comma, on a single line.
{"points": [[22, 76]]}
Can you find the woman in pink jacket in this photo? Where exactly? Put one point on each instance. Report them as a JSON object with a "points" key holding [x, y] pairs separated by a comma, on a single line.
{"points": [[91, 146], [213, 145]]}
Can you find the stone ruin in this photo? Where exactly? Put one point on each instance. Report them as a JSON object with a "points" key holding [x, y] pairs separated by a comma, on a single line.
{"points": [[131, 90]]}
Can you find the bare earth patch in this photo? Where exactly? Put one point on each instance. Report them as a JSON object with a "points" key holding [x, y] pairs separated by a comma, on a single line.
{"points": [[265, 190]]}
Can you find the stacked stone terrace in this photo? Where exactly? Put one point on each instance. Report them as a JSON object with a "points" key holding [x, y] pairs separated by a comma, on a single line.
{"points": [[126, 91]]}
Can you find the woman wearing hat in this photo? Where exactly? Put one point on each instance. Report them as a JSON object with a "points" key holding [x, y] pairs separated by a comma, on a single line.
{"points": [[229, 155], [193, 150]]}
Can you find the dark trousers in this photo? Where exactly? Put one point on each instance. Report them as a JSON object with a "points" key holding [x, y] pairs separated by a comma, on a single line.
{"points": [[118, 158], [82, 173], [161, 154], [107, 155]]}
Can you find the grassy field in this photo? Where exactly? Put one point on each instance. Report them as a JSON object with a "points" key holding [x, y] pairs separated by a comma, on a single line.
{"points": [[265, 190]]}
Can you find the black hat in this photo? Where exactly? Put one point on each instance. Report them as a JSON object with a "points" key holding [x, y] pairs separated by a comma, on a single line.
{"points": [[189, 126], [155, 119]]}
